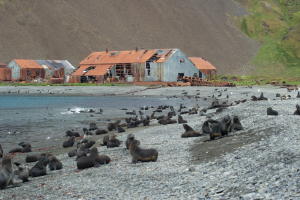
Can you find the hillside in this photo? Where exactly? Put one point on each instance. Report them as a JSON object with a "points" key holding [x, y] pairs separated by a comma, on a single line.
{"points": [[71, 29], [276, 25]]}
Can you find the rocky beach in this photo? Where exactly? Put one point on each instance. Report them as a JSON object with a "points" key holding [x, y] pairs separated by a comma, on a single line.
{"points": [[259, 162]]}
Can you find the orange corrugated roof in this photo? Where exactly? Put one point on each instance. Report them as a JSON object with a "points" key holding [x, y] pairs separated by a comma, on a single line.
{"points": [[28, 64], [98, 71], [202, 64], [132, 56]]}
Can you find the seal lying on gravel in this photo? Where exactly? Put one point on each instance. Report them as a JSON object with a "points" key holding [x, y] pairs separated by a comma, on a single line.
{"points": [[181, 120], [26, 147], [189, 132], [6, 172], [270, 111], [70, 133], [54, 163], [100, 131], [113, 126], [297, 112], [32, 158], [69, 142], [39, 169], [113, 142], [93, 126], [22, 172], [143, 155], [92, 160]]}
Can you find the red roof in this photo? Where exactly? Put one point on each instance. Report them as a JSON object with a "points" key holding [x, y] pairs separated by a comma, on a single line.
{"points": [[28, 64], [202, 64], [132, 56], [97, 71]]}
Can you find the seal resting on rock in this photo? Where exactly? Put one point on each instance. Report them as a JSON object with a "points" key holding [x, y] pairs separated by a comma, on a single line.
{"points": [[189, 132], [69, 142], [22, 172], [70, 133], [6, 172], [270, 111], [113, 126], [100, 131], [39, 169], [32, 158], [142, 155]]}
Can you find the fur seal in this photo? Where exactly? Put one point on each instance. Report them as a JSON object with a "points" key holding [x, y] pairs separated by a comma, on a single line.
{"points": [[22, 172], [26, 147], [113, 142], [298, 95], [70, 133], [113, 126], [100, 131], [297, 112], [189, 132], [6, 172], [120, 129], [69, 142], [32, 158], [39, 169], [93, 126], [105, 140], [181, 120], [54, 163], [143, 155], [270, 111], [88, 161], [130, 138]]}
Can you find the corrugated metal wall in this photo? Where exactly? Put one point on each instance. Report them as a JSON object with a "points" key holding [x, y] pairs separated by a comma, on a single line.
{"points": [[5, 74]]}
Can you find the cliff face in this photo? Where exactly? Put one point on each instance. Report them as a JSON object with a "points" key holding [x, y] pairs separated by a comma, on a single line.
{"points": [[71, 29]]}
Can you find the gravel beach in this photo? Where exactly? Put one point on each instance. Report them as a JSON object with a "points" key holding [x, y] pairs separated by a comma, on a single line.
{"points": [[260, 162]]}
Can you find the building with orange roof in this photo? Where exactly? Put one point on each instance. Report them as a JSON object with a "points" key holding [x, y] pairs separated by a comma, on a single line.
{"points": [[5, 72], [206, 69], [134, 65], [43, 70]]}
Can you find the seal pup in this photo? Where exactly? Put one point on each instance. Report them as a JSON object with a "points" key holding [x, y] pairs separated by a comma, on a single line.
{"points": [[113, 142], [181, 120], [113, 126], [298, 95], [120, 129], [236, 124], [69, 142], [88, 161], [189, 132], [143, 155], [70, 133], [26, 147], [100, 131], [22, 172], [297, 112], [32, 158], [6, 172], [105, 140], [54, 163], [39, 169], [270, 111]]}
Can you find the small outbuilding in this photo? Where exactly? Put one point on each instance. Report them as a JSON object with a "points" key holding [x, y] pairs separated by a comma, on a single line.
{"points": [[166, 65], [5, 73], [43, 70], [206, 69]]}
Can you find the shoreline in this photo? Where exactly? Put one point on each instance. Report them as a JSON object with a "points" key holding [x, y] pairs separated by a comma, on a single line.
{"points": [[242, 165]]}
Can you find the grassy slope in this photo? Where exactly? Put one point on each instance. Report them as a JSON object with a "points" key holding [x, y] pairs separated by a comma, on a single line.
{"points": [[276, 24]]}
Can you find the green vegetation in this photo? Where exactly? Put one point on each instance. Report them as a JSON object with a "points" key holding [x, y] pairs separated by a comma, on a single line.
{"points": [[276, 25], [65, 84], [258, 80]]}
